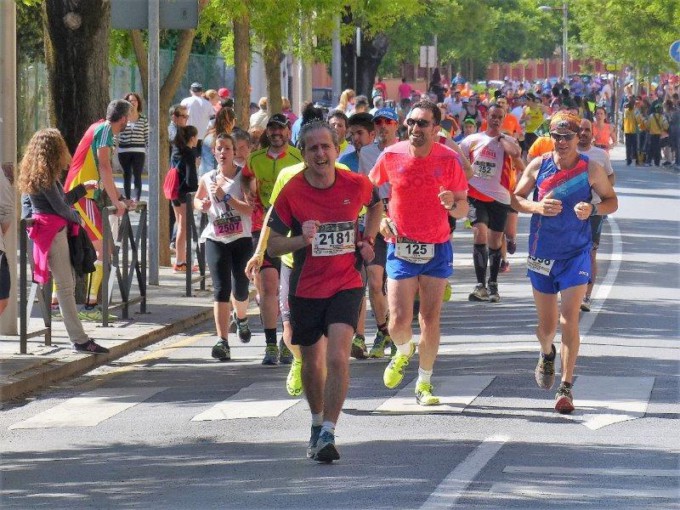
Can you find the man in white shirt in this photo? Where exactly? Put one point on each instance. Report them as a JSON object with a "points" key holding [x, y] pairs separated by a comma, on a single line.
{"points": [[585, 146], [200, 112]]}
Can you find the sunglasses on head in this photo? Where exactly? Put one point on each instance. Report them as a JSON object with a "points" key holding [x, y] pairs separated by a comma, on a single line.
{"points": [[559, 138], [422, 123], [383, 120]]}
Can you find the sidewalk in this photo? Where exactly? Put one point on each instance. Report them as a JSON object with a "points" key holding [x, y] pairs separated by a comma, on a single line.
{"points": [[168, 312]]}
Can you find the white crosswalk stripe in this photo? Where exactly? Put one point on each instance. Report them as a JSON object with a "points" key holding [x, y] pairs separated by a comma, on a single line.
{"points": [[88, 409], [259, 400]]}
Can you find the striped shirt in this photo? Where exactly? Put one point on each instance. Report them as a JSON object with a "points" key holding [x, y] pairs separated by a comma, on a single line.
{"points": [[135, 136]]}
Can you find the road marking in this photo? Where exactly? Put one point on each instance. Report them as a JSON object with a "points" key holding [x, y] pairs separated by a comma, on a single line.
{"points": [[455, 393], [89, 409], [603, 289], [250, 403], [570, 491], [628, 397], [452, 487], [559, 470]]}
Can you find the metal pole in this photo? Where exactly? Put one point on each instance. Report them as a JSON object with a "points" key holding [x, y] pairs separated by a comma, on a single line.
{"points": [[154, 141], [8, 147], [565, 17], [337, 63]]}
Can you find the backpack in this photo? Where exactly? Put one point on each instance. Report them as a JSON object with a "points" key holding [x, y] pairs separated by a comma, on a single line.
{"points": [[171, 184]]}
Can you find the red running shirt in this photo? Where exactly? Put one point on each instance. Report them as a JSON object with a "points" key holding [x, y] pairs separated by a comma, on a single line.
{"points": [[320, 277], [414, 205]]}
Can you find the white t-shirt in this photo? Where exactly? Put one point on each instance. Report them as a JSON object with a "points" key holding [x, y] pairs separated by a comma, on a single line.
{"points": [[599, 156], [225, 224], [200, 110], [487, 157]]}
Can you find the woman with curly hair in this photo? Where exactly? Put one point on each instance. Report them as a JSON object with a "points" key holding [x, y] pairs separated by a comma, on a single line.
{"points": [[225, 120], [45, 160]]}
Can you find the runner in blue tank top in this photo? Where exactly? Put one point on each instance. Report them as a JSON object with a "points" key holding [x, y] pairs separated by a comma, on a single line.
{"points": [[559, 245]]}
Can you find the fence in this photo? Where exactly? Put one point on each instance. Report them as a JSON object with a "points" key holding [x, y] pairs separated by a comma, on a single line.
{"points": [[128, 258], [192, 234]]}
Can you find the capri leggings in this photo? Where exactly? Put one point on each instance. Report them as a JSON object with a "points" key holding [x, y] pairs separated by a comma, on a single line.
{"points": [[227, 264]]}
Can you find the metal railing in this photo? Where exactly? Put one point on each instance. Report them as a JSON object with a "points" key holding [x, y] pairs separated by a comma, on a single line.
{"points": [[192, 234], [27, 298], [128, 258]]}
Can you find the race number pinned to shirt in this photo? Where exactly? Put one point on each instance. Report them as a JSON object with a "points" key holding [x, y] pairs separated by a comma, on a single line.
{"points": [[540, 266], [228, 226], [484, 169], [414, 251], [334, 239]]}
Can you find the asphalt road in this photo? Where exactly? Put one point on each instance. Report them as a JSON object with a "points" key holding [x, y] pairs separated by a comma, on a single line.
{"points": [[171, 428]]}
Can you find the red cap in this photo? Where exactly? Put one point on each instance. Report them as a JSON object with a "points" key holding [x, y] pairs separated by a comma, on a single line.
{"points": [[223, 93]]}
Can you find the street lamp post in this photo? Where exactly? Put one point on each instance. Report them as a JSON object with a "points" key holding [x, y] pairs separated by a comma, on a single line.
{"points": [[565, 18]]}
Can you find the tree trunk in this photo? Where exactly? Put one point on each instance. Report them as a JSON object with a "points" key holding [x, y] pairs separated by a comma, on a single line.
{"points": [[372, 53], [242, 70], [272, 67], [77, 58]]}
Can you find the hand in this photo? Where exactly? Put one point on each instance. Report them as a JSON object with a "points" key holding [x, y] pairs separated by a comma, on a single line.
{"points": [[309, 230], [216, 191], [205, 204], [90, 185], [583, 210], [387, 228], [130, 204], [446, 198], [550, 206], [253, 266], [366, 251], [120, 208]]}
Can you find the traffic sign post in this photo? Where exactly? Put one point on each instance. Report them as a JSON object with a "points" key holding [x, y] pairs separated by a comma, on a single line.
{"points": [[674, 51]]}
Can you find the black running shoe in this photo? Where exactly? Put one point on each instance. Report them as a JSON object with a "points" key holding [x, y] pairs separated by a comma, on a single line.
{"points": [[90, 347], [221, 351], [325, 447]]}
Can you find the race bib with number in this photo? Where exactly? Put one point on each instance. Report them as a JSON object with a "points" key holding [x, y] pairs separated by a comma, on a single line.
{"points": [[540, 266], [334, 239], [484, 169], [228, 226], [413, 251]]}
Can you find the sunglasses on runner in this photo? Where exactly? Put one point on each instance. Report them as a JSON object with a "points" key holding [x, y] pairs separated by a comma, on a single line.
{"points": [[422, 123], [559, 138]]}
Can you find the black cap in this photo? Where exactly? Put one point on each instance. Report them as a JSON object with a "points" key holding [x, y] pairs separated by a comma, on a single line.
{"points": [[196, 87], [278, 118]]}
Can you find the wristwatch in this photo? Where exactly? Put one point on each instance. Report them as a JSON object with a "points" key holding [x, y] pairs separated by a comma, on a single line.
{"points": [[226, 198], [453, 206]]}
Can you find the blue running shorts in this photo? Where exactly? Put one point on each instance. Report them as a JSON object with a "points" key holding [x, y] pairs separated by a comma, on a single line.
{"points": [[440, 266], [563, 274]]}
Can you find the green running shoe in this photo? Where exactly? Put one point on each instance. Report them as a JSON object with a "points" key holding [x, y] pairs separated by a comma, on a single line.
{"points": [[294, 379], [93, 313], [379, 345], [358, 347], [271, 355], [394, 372], [424, 395]]}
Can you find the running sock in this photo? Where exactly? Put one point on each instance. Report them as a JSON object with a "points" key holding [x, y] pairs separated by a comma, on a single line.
{"points": [[405, 348], [480, 256], [566, 384], [383, 328], [494, 264], [270, 336], [424, 375], [549, 357], [317, 419], [329, 426], [95, 282]]}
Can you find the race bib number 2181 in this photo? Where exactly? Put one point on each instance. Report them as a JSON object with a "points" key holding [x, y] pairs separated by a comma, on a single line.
{"points": [[334, 239]]}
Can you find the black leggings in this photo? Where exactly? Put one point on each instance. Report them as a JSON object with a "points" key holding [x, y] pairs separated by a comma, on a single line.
{"points": [[227, 264], [132, 164]]}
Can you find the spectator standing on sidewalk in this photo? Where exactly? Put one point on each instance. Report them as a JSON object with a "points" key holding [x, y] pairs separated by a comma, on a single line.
{"points": [[200, 112], [132, 145], [45, 159]]}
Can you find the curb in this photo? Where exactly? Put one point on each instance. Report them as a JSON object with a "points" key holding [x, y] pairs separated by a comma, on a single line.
{"points": [[58, 370]]}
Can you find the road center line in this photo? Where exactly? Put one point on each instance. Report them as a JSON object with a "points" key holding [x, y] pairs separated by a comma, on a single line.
{"points": [[452, 487]]}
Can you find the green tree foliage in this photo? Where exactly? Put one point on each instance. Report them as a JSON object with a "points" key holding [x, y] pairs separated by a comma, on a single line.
{"points": [[637, 32]]}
